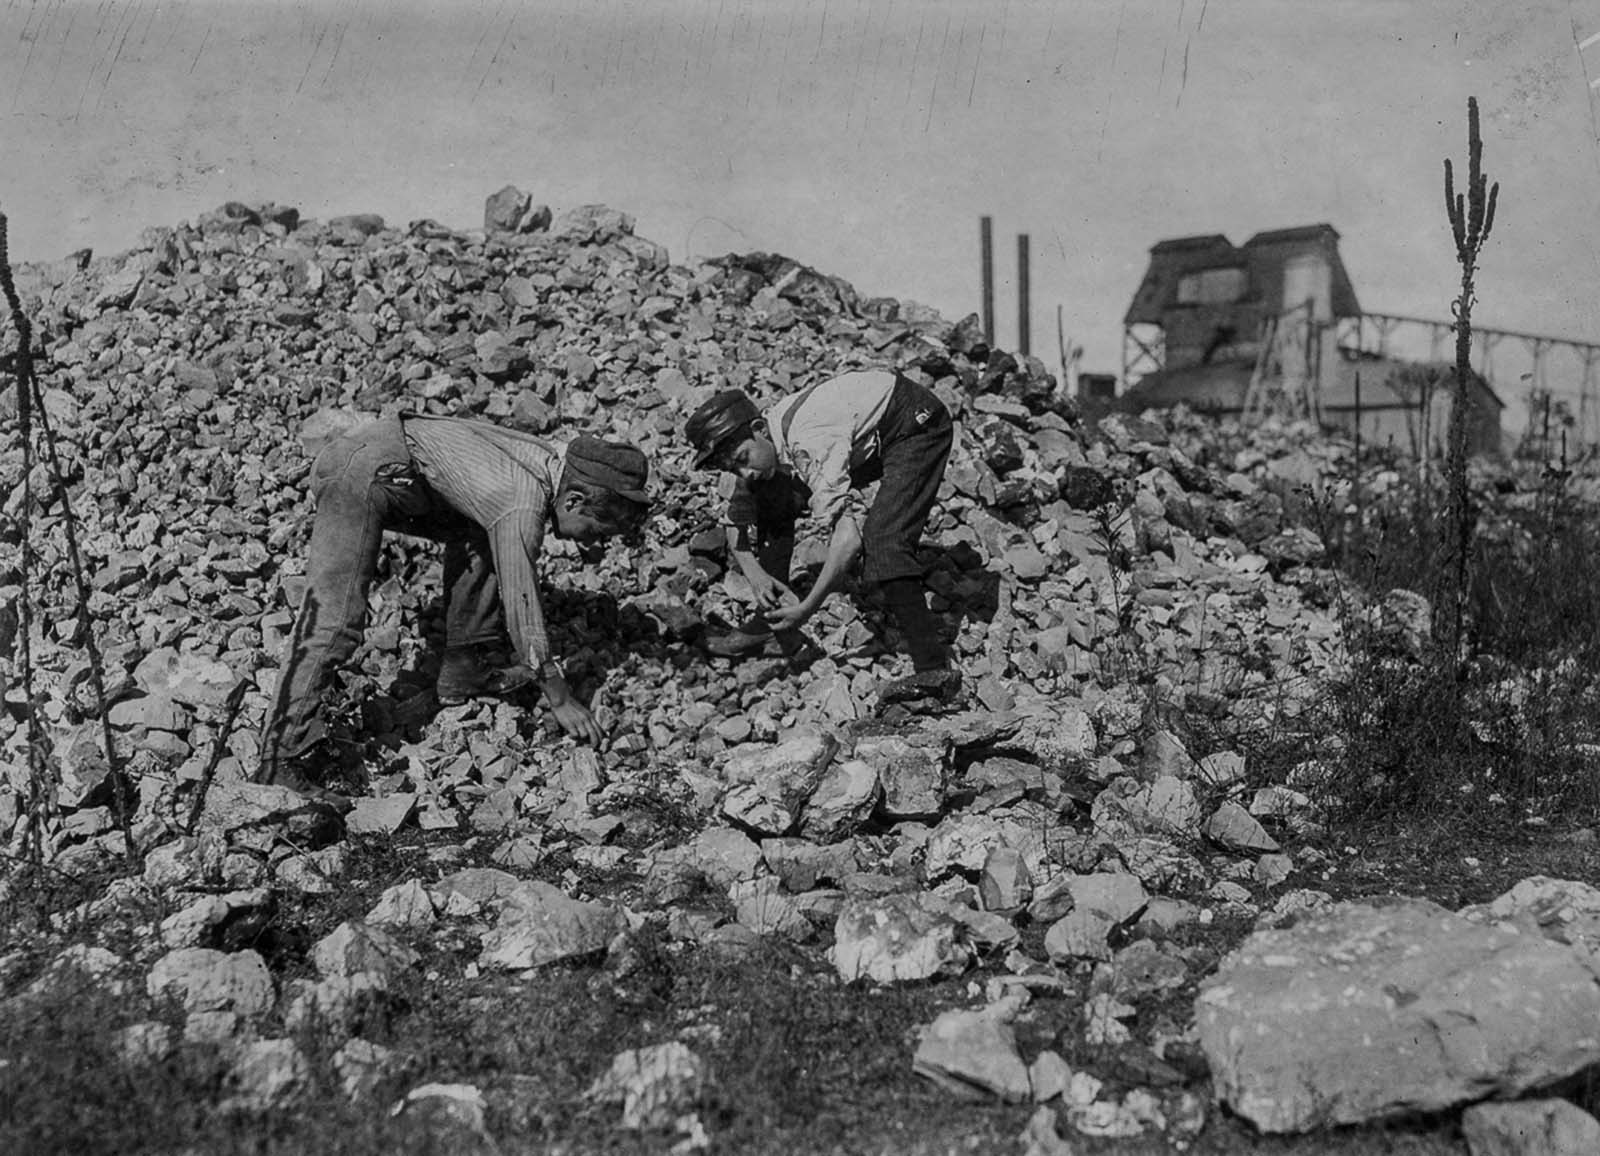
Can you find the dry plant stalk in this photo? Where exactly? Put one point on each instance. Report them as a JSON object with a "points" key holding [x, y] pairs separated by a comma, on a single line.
{"points": [[1471, 218]]}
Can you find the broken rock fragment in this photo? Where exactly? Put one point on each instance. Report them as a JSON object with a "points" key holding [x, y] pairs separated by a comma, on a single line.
{"points": [[185, 677], [973, 1054], [725, 856], [655, 1085], [1236, 829], [454, 1116], [985, 931], [342, 1004], [843, 800], [256, 816], [1564, 910], [1166, 805], [1053, 734], [770, 784], [540, 924], [896, 939], [355, 948], [1142, 970], [764, 907], [363, 1066], [1049, 1076], [380, 816], [404, 905], [1005, 885], [1165, 755], [267, 1074], [206, 981], [84, 965], [802, 865], [1041, 1137], [913, 771], [1530, 1128], [200, 921], [963, 843], [1100, 904]]}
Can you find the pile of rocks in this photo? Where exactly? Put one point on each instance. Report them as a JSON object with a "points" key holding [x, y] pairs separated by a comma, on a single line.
{"points": [[190, 380], [1098, 579]]}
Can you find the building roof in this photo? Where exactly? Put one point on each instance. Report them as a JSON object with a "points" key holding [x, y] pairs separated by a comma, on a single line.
{"points": [[1317, 232], [1170, 260], [1262, 257]]}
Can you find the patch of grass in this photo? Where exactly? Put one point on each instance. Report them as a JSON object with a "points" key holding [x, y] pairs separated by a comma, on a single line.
{"points": [[1502, 730]]}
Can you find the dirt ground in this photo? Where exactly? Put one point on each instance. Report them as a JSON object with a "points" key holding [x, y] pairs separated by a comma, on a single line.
{"points": [[799, 1062]]}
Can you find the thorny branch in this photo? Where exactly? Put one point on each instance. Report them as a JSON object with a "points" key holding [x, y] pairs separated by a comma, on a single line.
{"points": [[30, 401]]}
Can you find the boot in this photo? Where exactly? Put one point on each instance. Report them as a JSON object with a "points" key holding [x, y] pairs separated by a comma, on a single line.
{"points": [[935, 686], [470, 671], [752, 638], [920, 628], [304, 774]]}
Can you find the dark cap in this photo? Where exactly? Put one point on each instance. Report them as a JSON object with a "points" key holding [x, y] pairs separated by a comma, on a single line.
{"points": [[717, 422], [614, 466]]}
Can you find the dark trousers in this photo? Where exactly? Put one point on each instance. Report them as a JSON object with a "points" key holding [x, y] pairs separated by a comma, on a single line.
{"points": [[363, 484], [914, 442]]}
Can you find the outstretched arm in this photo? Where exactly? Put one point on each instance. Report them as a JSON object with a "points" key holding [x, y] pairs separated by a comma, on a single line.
{"points": [[515, 541], [844, 546], [770, 591], [575, 718]]}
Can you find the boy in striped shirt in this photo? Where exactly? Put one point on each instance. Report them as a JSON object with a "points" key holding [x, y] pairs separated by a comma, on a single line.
{"points": [[489, 494]]}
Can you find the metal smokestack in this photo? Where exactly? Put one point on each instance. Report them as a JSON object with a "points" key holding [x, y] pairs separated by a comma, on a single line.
{"points": [[986, 245], [1022, 293]]}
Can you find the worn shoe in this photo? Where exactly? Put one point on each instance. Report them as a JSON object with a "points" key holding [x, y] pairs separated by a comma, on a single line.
{"points": [[736, 643], [753, 638], [302, 774], [748, 639], [923, 686], [471, 672]]}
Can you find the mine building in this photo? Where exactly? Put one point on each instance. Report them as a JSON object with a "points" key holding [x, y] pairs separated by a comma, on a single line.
{"points": [[1273, 327]]}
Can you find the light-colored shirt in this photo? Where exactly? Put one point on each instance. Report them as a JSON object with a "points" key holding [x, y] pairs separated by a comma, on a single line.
{"points": [[827, 430], [505, 481]]}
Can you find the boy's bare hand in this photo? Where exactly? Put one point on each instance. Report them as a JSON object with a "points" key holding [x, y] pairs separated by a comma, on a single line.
{"points": [[770, 593], [788, 617], [576, 720]]}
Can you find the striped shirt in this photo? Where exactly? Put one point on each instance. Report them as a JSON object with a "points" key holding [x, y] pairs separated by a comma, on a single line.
{"points": [[506, 482]]}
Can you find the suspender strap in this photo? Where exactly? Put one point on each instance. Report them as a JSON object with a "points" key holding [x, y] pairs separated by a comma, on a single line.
{"points": [[789, 415], [900, 380]]}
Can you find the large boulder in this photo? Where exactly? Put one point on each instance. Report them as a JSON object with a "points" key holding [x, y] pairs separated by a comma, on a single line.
{"points": [[1364, 1012]]}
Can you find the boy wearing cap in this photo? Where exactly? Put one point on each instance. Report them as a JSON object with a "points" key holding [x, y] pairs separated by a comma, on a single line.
{"points": [[488, 493], [831, 440]]}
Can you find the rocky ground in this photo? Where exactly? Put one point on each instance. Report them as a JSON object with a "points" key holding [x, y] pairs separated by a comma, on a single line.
{"points": [[1088, 907]]}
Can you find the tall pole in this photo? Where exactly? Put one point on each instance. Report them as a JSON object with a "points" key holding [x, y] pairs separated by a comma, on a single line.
{"points": [[1022, 293], [986, 244]]}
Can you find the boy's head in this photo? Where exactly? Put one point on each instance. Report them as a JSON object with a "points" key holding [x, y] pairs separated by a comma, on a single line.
{"points": [[724, 434], [602, 490]]}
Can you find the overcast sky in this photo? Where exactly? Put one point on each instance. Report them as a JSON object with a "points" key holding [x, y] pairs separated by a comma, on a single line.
{"points": [[863, 137]]}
